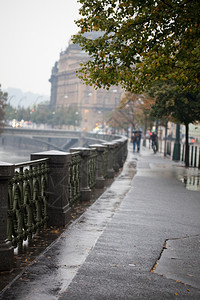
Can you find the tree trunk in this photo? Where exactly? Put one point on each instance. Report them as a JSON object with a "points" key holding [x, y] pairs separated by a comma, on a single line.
{"points": [[186, 145]]}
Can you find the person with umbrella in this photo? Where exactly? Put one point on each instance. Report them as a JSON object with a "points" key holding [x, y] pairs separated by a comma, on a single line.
{"points": [[136, 138]]}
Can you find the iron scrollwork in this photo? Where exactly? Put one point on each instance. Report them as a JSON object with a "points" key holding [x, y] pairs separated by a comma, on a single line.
{"points": [[74, 179], [27, 201]]}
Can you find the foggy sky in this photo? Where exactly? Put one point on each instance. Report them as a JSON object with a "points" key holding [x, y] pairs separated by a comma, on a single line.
{"points": [[33, 33]]}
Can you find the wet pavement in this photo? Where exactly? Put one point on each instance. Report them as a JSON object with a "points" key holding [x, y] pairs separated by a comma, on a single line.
{"points": [[192, 182], [46, 237], [139, 240]]}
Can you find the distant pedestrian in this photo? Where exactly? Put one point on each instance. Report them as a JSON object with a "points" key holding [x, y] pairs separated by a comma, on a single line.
{"points": [[154, 139], [133, 140], [137, 141]]}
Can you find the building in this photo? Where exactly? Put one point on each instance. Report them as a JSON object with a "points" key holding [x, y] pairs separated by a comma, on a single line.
{"points": [[68, 90]]}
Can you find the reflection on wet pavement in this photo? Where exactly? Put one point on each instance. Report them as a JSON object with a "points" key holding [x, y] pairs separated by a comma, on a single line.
{"points": [[192, 183], [29, 253]]}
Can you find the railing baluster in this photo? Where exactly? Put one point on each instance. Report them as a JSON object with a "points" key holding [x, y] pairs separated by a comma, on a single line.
{"points": [[74, 179], [27, 203]]}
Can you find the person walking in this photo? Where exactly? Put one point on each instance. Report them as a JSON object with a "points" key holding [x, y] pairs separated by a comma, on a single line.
{"points": [[137, 140], [133, 140], [154, 139]]}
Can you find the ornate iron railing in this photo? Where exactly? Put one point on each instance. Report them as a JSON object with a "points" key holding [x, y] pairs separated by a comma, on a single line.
{"points": [[27, 201], [24, 190], [74, 178]]}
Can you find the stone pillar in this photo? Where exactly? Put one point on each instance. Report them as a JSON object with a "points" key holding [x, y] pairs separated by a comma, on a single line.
{"points": [[100, 180], [110, 147], [59, 210], [124, 149], [6, 249], [85, 189], [115, 155], [120, 158]]}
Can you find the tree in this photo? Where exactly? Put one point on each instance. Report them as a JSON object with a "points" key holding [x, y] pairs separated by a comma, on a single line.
{"points": [[179, 106], [61, 116], [10, 112], [119, 120], [3, 99], [139, 108], [140, 42]]}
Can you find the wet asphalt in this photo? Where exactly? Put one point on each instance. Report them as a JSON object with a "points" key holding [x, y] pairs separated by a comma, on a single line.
{"points": [[139, 240]]}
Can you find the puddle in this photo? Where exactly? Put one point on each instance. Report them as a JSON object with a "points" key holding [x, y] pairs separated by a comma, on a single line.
{"points": [[192, 183]]}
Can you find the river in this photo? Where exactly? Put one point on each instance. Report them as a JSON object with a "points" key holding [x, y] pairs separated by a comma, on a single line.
{"points": [[10, 156]]}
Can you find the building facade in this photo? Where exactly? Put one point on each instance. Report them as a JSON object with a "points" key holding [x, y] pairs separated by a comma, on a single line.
{"points": [[68, 90]]}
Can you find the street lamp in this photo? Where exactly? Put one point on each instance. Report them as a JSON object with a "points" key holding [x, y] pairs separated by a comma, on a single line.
{"points": [[116, 98], [76, 117]]}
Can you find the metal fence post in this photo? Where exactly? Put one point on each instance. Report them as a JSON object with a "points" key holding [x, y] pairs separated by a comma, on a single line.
{"points": [[6, 249]]}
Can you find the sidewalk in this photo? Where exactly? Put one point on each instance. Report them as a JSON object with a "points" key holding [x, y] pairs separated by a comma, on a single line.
{"points": [[112, 251]]}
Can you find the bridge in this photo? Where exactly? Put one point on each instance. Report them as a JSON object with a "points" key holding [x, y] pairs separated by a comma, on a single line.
{"points": [[47, 139]]}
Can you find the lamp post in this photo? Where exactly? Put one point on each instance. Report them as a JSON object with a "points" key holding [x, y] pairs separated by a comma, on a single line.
{"points": [[76, 119], [176, 152], [114, 92], [103, 116]]}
